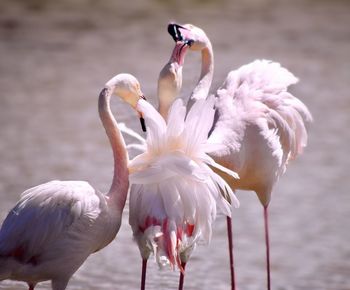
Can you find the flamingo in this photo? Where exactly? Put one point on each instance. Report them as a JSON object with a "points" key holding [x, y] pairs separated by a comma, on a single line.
{"points": [[174, 193], [169, 85], [260, 123], [55, 226]]}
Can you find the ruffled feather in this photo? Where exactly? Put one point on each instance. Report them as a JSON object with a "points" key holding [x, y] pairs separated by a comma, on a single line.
{"points": [[257, 94], [175, 194]]}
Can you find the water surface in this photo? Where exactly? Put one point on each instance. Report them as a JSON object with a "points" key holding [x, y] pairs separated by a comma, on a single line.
{"points": [[55, 58]]}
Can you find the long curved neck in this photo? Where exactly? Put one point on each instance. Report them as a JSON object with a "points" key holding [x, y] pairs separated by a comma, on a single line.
{"points": [[119, 188], [170, 79], [201, 91]]}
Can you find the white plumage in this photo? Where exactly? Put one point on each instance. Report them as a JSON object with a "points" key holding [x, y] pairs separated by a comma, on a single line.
{"points": [[260, 124], [174, 193], [55, 226], [52, 229]]}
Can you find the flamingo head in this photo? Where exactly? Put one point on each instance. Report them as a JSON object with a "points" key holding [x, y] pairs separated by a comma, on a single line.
{"points": [[128, 88], [189, 34]]}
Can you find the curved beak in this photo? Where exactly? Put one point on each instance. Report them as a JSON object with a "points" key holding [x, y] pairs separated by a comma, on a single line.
{"points": [[142, 120], [177, 35], [143, 124], [174, 31]]}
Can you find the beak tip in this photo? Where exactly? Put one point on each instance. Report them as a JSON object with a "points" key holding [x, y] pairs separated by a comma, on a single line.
{"points": [[143, 124]]}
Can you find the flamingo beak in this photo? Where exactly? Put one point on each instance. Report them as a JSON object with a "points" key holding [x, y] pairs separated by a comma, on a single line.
{"points": [[174, 31], [143, 124], [142, 120]]}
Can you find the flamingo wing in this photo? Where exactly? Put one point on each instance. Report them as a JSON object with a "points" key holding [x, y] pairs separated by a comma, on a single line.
{"points": [[43, 214], [257, 94]]}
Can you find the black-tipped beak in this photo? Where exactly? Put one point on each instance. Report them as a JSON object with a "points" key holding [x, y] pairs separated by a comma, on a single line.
{"points": [[174, 31], [143, 124], [142, 120]]}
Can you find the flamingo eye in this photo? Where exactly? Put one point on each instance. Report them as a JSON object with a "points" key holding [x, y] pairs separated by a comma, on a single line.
{"points": [[189, 42]]}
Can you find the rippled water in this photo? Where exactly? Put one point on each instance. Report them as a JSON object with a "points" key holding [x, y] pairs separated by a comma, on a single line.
{"points": [[56, 57]]}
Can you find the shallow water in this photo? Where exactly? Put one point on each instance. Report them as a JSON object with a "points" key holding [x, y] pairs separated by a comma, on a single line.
{"points": [[56, 57]]}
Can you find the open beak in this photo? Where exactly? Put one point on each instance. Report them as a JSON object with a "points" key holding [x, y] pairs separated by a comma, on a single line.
{"points": [[142, 120]]}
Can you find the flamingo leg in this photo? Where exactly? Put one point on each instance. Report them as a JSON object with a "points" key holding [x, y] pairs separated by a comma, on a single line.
{"points": [[267, 243], [31, 286], [230, 249], [182, 276], [143, 275]]}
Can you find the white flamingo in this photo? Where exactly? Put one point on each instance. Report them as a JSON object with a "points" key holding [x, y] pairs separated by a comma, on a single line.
{"points": [[260, 123], [174, 193], [55, 226], [169, 85]]}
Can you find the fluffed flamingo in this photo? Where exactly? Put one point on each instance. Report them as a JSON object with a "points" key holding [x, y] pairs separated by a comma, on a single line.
{"points": [[169, 85], [260, 123], [174, 192], [55, 226]]}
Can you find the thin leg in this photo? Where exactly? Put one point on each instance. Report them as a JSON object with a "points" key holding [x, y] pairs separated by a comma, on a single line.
{"points": [[143, 275], [230, 249], [267, 242], [182, 276]]}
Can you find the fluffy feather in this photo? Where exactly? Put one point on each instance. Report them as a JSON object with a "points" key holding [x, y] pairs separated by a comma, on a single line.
{"points": [[53, 225], [175, 194], [255, 108]]}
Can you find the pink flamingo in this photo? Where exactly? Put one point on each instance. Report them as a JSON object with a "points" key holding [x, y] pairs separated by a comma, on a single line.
{"points": [[169, 85], [260, 123], [174, 192], [55, 226]]}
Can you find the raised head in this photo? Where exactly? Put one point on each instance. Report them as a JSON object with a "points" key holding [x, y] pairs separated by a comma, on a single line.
{"points": [[189, 34]]}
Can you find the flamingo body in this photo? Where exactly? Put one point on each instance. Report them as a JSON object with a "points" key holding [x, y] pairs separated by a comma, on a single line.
{"points": [[55, 226], [261, 125], [174, 194], [51, 231]]}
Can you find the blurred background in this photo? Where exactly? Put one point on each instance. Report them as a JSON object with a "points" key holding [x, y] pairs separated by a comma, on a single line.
{"points": [[55, 57]]}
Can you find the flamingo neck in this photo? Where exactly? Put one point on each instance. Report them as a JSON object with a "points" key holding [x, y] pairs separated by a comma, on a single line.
{"points": [[201, 91], [170, 79], [120, 183]]}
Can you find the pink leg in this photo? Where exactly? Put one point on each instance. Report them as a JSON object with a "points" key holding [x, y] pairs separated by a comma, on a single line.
{"points": [[267, 242], [143, 275], [182, 276], [31, 286], [230, 249]]}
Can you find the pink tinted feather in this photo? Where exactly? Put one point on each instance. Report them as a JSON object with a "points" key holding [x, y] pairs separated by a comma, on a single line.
{"points": [[256, 93], [174, 195]]}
